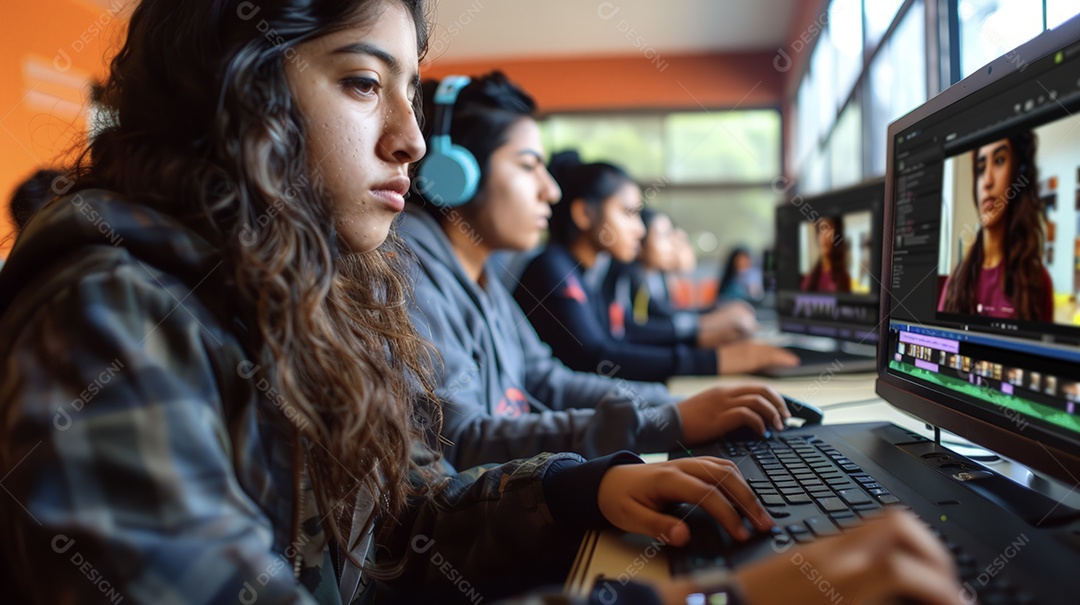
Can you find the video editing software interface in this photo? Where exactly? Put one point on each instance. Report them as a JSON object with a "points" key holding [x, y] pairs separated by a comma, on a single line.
{"points": [[986, 257], [828, 261]]}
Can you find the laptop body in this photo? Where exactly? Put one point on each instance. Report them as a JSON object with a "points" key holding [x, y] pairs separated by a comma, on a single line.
{"points": [[997, 368]]}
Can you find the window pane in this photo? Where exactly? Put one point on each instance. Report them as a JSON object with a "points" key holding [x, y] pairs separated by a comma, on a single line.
{"points": [[823, 66], [845, 27], [718, 219], [991, 28], [1060, 11], [815, 176], [897, 80], [634, 142], [732, 146], [845, 148], [879, 16], [809, 128]]}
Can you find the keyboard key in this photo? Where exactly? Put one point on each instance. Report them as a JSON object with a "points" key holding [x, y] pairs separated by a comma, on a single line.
{"points": [[797, 529], [798, 499], [821, 526], [854, 496], [778, 513], [848, 522], [838, 482], [789, 491], [888, 499], [832, 504], [771, 500], [783, 484], [821, 493]]}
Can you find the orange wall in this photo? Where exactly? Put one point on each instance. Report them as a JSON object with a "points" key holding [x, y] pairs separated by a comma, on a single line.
{"points": [[670, 82], [50, 51]]}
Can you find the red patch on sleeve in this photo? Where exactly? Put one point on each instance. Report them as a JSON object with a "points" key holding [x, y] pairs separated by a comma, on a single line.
{"points": [[617, 318]]}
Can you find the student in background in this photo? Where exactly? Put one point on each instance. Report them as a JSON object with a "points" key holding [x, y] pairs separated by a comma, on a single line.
{"points": [[32, 195], [506, 396], [642, 287], [740, 280], [561, 290]]}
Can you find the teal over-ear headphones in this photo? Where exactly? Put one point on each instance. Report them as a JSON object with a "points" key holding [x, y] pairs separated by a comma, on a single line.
{"points": [[450, 174]]}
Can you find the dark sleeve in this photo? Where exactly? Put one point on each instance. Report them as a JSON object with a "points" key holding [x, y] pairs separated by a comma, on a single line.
{"points": [[500, 528], [553, 298]]}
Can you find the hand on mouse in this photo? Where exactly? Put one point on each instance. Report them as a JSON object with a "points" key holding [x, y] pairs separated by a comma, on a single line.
{"points": [[713, 412], [632, 496]]}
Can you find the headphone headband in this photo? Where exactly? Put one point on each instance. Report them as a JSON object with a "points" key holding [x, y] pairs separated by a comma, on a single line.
{"points": [[449, 175], [445, 97]]}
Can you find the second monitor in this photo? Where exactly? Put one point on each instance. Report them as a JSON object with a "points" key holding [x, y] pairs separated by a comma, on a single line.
{"points": [[828, 271]]}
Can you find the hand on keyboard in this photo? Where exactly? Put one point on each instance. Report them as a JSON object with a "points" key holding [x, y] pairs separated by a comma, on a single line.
{"points": [[632, 497], [886, 559]]}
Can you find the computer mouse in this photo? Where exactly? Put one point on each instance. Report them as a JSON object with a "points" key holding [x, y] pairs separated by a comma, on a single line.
{"points": [[802, 414], [810, 414]]}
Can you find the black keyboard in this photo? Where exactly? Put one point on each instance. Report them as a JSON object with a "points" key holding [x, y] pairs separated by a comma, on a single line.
{"points": [[811, 490]]}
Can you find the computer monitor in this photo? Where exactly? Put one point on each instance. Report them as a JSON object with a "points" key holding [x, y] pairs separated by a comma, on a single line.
{"points": [[981, 325], [828, 257]]}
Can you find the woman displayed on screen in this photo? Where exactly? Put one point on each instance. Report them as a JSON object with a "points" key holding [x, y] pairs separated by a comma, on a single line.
{"points": [[830, 273], [1003, 274]]}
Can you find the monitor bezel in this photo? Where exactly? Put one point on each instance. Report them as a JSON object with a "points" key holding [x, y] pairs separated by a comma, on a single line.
{"points": [[853, 191], [1037, 448]]}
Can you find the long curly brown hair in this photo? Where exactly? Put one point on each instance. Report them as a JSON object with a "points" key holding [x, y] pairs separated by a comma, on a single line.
{"points": [[208, 132], [1024, 242]]}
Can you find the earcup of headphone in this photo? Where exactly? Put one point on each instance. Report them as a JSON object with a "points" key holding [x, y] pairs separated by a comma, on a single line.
{"points": [[449, 175]]}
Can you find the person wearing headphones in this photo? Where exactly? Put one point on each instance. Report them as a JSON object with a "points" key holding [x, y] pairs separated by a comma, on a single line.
{"points": [[483, 187]]}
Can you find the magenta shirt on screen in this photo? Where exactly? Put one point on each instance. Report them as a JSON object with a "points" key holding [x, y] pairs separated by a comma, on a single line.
{"points": [[991, 295]]}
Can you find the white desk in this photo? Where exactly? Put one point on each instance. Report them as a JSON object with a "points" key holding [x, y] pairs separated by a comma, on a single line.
{"points": [[845, 398]]}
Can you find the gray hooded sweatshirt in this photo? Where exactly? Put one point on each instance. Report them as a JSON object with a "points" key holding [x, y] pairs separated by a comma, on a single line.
{"points": [[505, 395]]}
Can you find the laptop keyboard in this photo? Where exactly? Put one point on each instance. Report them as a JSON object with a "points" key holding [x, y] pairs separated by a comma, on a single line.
{"points": [[801, 471]]}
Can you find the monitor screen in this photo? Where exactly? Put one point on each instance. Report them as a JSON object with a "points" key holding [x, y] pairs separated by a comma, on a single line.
{"points": [[983, 271], [828, 263]]}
